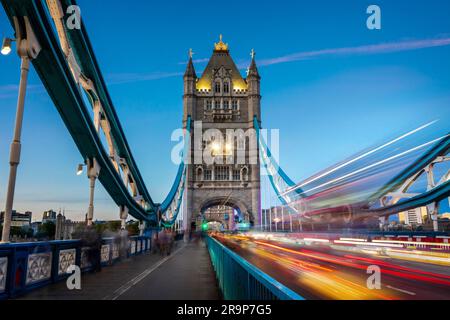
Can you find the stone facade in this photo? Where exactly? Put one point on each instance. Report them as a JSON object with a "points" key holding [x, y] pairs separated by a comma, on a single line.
{"points": [[217, 102], [65, 228]]}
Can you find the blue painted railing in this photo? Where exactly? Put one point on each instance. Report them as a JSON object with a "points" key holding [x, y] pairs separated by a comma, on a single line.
{"points": [[240, 280], [27, 266]]}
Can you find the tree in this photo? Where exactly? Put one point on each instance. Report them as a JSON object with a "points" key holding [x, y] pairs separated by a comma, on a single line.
{"points": [[109, 228], [47, 230], [133, 228], [20, 232]]}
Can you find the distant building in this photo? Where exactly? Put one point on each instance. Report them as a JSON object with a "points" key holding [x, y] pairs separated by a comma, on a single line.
{"points": [[65, 227], [49, 216], [18, 219], [446, 215], [414, 217]]}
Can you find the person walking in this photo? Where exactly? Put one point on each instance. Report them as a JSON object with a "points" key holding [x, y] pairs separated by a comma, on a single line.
{"points": [[155, 242], [170, 241], [93, 240], [123, 244], [162, 240]]}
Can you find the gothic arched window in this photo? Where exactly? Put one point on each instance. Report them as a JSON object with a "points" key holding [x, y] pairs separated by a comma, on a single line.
{"points": [[199, 173], [244, 174], [226, 87], [217, 87]]}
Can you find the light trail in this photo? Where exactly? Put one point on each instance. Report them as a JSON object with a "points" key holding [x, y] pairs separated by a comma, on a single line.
{"points": [[414, 243], [310, 180], [359, 243], [334, 259], [377, 164], [320, 270], [390, 265]]}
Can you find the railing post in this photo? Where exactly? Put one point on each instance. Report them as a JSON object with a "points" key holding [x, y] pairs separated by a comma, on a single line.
{"points": [[93, 173], [123, 217]]}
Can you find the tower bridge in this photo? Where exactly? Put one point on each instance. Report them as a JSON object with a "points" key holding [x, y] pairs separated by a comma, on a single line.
{"points": [[222, 100], [224, 181]]}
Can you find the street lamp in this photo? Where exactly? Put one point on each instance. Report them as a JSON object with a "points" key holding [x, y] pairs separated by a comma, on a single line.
{"points": [[6, 46], [80, 169]]}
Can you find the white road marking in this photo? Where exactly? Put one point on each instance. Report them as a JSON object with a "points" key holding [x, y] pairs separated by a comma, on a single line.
{"points": [[127, 286], [401, 290]]}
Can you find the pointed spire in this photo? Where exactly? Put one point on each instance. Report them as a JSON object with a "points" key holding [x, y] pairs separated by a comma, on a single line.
{"points": [[253, 69], [190, 70]]}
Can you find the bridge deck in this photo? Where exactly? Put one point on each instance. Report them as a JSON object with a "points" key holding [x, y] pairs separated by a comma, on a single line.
{"points": [[186, 274]]}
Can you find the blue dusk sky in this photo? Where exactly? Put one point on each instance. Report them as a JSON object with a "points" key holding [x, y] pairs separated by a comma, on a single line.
{"points": [[329, 84]]}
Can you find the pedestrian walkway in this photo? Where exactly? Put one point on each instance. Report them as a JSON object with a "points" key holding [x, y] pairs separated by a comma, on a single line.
{"points": [[186, 274]]}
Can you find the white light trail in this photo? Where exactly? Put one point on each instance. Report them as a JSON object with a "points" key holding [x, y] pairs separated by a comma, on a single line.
{"points": [[376, 164], [312, 179]]}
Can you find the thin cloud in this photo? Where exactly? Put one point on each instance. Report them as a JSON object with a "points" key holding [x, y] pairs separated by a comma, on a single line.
{"points": [[11, 90], [202, 60], [122, 78], [382, 48]]}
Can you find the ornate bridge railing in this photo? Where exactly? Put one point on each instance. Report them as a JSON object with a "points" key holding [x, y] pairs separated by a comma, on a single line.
{"points": [[240, 280], [28, 266]]}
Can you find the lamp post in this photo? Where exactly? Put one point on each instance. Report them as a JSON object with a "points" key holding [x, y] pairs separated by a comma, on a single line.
{"points": [[28, 49]]}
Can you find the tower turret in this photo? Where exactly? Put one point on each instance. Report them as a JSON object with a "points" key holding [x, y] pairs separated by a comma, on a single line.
{"points": [[190, 79], [253, 82]]}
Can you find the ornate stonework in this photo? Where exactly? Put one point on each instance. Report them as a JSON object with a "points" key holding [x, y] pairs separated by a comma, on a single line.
{"points": [[39, 267], [105, 252], [115, 251], [3, 272], [133, 247], [66, 259]]}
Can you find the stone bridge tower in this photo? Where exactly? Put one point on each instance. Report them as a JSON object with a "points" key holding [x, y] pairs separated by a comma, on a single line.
{"points": [[222, 172]]}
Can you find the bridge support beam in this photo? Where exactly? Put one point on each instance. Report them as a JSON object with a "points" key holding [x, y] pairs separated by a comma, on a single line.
{"points": [[141, 228], [93, 172], [300, 224], [382, 223], [123, 217], [433, 210], [28, 49]]}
